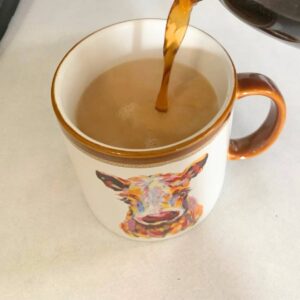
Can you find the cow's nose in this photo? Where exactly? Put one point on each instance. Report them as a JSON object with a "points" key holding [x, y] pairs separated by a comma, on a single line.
{"points": [[164, 216]]}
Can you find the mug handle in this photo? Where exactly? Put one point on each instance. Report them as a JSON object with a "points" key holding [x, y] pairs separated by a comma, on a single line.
{"points": [[250, 84]]}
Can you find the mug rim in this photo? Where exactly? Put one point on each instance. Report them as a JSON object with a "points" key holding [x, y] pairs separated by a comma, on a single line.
{"points": [[123, 153]]}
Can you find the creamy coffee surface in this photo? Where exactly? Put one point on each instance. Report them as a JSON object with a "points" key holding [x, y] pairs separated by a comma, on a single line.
{"points": [[117, 108]]}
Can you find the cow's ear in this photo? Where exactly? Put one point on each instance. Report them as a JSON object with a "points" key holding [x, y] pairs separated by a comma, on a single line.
{"points": [[195, 168], [115, 183]]}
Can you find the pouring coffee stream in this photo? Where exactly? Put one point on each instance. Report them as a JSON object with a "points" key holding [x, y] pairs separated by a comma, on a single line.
{"points": [[279, 18], [176, 28]]}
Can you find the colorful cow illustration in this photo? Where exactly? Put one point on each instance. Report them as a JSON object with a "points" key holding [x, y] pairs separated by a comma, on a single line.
{"points": [[160, 204]]}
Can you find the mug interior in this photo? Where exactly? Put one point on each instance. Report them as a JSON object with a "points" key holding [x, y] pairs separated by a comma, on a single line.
{"points": [[134, 40]]}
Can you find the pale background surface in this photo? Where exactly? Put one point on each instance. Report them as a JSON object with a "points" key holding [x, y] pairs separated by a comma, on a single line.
{"points": [[52, 247]]}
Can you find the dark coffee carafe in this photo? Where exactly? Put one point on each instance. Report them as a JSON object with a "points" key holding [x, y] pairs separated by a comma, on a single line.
{"points": [[279, 18]]}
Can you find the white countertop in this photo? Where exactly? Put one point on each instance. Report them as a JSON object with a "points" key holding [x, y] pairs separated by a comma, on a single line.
{"points": [[52, 247]]}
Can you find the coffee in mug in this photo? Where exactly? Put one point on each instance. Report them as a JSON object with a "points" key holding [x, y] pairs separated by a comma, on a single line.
{"points": [[117, 108]]}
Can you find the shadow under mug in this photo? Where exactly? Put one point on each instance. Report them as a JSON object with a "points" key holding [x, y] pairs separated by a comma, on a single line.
{"points": [[154, 194]]}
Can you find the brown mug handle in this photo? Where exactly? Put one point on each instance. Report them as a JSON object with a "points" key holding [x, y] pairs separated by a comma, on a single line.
{"points": [[250, 84]]}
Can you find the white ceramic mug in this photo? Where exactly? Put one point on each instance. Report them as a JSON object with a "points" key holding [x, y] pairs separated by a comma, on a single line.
{"points": [[153, 194]]}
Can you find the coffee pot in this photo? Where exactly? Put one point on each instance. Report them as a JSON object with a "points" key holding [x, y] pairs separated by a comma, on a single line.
{"points": [[279, 18]]}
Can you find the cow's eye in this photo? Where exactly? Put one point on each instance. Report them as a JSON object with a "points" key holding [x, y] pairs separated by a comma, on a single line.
{"points": [[183, 194], [140, 207]]}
